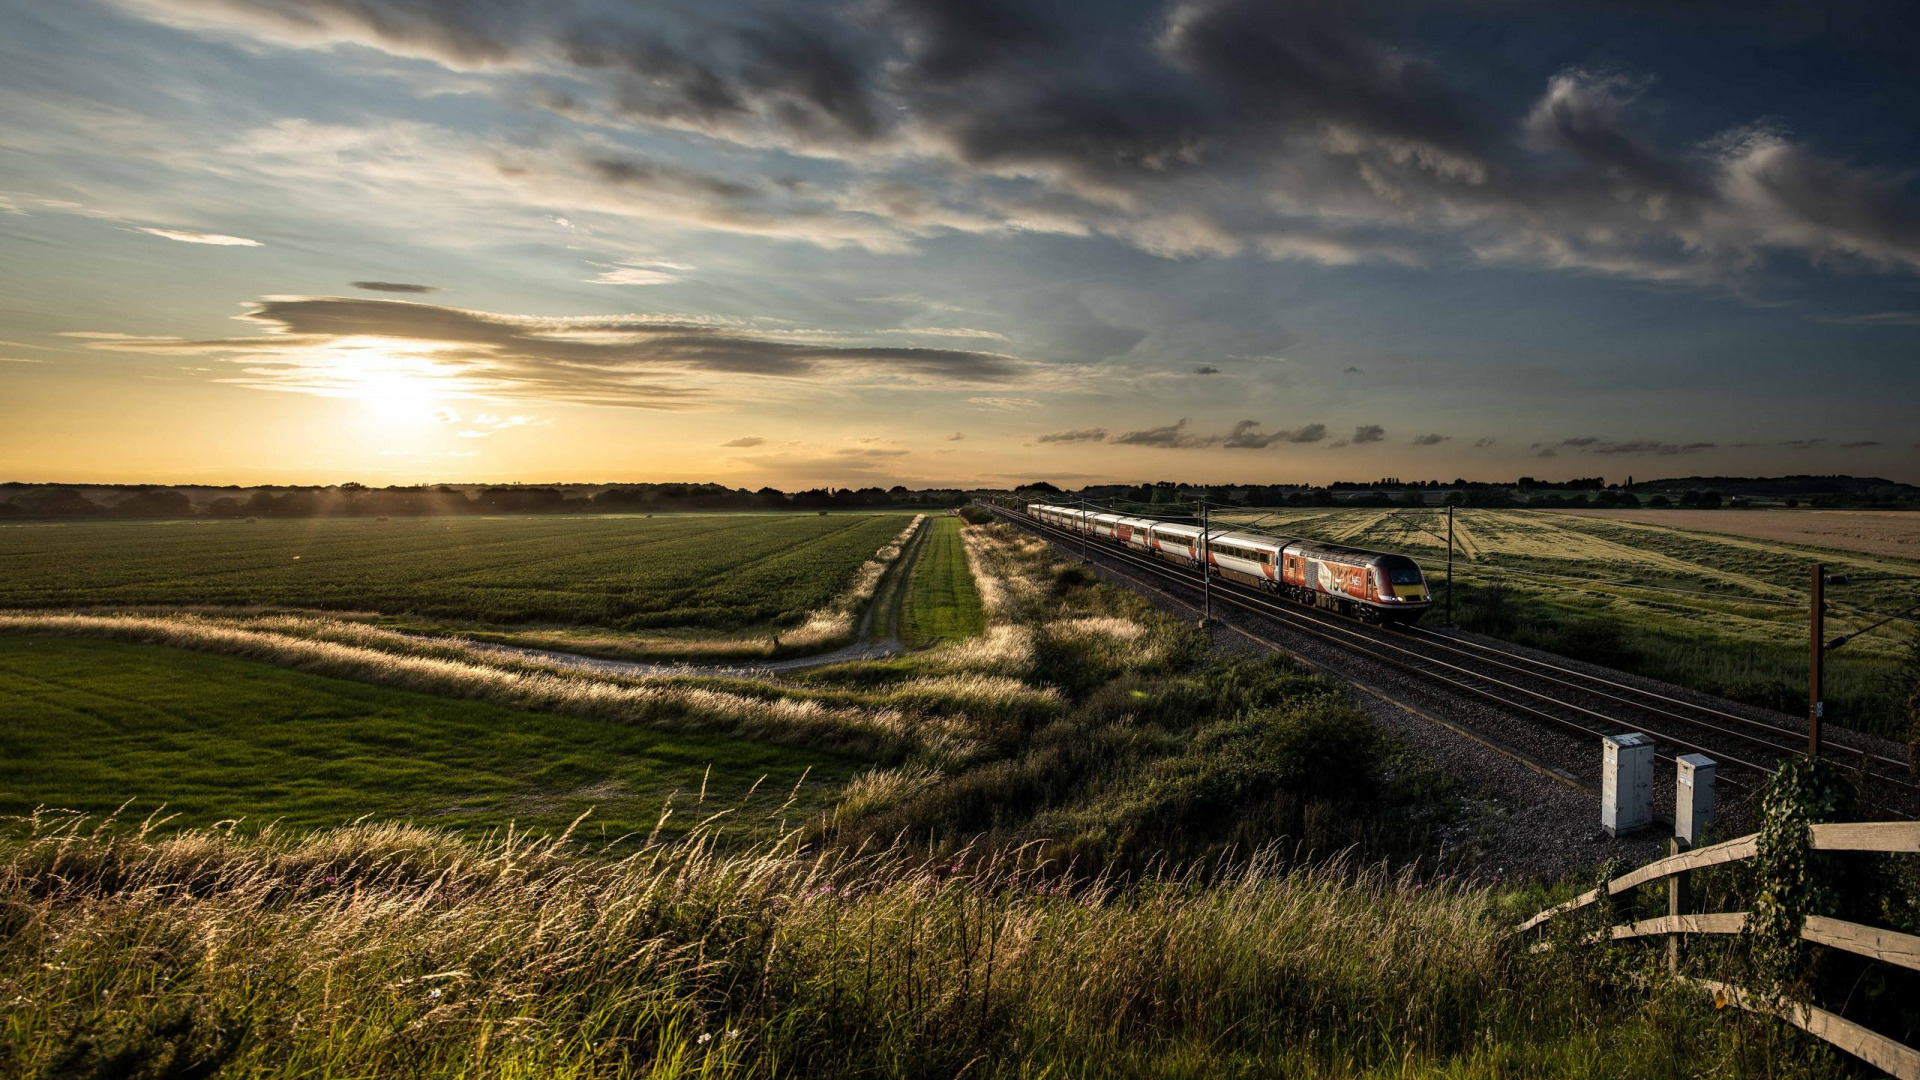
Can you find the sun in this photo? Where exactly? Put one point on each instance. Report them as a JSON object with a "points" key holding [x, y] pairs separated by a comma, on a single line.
{"points": [[395, 387]]}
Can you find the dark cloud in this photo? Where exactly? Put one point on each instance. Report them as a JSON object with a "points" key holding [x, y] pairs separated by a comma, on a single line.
{"points": [[953, 40], [1246, 435], [1593, 444], [745, 440], [1092, 434], [1320, 131], [1484, 442], [393, 286], [632, 360], [1172, 436], [1803, 444], [1434, 439], [1651, 446], [1860, 445], [1369, 433], [957, 436], [1351, 370], [1206, 369]]}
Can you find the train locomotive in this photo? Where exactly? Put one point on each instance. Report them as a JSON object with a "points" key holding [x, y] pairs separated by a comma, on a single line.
{"points": [[1372, 586]]}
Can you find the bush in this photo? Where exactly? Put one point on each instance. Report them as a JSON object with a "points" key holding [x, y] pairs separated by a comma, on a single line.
{"points": [[976, 515]]}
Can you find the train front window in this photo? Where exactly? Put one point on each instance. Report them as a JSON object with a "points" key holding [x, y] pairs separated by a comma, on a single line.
{"points": [[1406, 576]]}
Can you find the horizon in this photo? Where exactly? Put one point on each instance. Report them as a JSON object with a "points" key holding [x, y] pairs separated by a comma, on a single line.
{"points": [[927, 243]]}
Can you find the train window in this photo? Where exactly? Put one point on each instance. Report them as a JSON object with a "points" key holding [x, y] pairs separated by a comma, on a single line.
{"points": [[1404, 576]]}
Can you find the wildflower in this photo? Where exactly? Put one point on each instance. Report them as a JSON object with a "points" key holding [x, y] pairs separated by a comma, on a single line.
{"points": [[733, 1033], [435, 992], [705, 1038]]}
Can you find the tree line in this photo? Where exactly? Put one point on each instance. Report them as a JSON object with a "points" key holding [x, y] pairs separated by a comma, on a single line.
{"points": [[358, 500]]}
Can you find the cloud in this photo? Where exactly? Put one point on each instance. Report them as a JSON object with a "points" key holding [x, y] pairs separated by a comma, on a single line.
{"points": [[189, 236], [1803, 444], [1879, 318], [1593, 444], [636, 272], [1351, 370], [1434, 439], [745, 440], [1860, 445], [957, 436], [1206, 369], [1369, 433], [1484, 442], [1005, 403], [1246, 435], [329, 345], [392, 286], [1172, 436], [1077, 435], [1326, 133], [1652, 446]]}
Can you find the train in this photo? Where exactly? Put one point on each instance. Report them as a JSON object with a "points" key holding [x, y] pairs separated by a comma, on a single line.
{"points": [[1372, 586]]}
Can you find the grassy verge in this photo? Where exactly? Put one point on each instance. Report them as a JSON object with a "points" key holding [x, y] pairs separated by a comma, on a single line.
{"points": [[88, 724], [941, 603], [390, 952]]}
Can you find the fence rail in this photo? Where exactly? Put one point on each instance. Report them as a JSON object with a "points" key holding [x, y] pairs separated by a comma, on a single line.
{"points": [[1889, 946]]}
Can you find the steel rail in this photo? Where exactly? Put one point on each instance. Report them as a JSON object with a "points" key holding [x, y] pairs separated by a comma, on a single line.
{"points": [[1458, 644], [1297, 622], [1299, 618]]}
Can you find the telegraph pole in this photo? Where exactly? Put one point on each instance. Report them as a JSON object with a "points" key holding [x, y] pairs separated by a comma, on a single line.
{"points": [[1816, 649], [1450, 564], [1206, 572]]}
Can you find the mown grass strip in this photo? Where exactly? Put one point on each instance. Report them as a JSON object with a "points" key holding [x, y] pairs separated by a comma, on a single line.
{"points": [[941, 602]]}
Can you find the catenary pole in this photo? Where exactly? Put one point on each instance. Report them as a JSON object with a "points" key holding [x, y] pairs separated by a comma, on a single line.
{"points": [[1815, 653], [1206, 560], [1449, 565]]}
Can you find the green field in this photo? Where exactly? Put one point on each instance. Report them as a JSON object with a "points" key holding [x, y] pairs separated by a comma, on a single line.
{"points": [[87, 725], [941, 602], [718, 572], [1722, 613]]}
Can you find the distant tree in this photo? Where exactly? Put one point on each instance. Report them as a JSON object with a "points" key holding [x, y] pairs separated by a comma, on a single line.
{"points": [[1660, 502], [154, 504], [56, 502]]}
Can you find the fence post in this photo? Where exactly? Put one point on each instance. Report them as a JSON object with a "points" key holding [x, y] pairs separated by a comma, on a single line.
{"points": [[1679, 901]]}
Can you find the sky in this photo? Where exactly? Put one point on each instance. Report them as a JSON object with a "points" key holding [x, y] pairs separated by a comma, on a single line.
{"points": [[971, 242]]}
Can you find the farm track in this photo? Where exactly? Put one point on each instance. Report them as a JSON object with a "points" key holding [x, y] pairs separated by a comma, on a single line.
{"points": [[1534, 705]]}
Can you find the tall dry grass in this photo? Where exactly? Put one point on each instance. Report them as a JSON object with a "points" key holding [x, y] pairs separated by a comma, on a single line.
{"points": [[390, 951], [355, 651]]}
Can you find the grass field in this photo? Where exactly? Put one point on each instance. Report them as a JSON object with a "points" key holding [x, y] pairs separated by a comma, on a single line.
{"points": [[714, 572], [88, 724], [1874, 532], [941, 602], [1719, 612]]}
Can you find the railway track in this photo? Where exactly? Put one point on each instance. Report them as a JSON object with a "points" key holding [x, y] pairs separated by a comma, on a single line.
{"points": [[1559, 696]]}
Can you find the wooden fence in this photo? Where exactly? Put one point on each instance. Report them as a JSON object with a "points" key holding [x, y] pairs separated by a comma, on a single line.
{"points": [[1899, 837]]}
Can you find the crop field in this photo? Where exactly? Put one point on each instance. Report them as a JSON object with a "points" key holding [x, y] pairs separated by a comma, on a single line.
{"points": [[88, 724], [710, 572], [1875, 532], [1719, 612]]}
